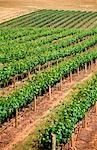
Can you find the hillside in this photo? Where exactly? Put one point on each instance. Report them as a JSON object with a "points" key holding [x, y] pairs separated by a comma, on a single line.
{"points": [[10, 9], [48, 74]]}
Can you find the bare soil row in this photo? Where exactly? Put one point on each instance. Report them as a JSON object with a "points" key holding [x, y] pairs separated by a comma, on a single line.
{"points": [[10, 9]]}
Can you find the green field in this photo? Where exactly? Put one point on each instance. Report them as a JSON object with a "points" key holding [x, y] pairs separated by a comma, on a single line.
{"points": [[55, 18], [31, 51], [23, 53], [62, 120]]}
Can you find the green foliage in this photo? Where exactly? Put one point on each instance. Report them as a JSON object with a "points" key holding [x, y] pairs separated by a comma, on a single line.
{"points": [[41, 82], [43, 54], [69, 114], [30, 44], [51, 18]]}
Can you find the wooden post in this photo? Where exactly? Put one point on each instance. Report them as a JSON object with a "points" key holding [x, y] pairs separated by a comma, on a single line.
{"points": [[61, 83], [85, 67], [49, 92], [53, 142], [34, 103], [42, 67], [3, 91], [48, 64], [16, 118], [72, 141], [39, 68], [84, 122], [43, 99], [7, 84], [14, 82], [96, 107], [96, 62], [12, 85], [0, 124], [78, 71], [71, 77], [16, 79], [57, 61], [51, 63], [91, 64], [29, 76]]}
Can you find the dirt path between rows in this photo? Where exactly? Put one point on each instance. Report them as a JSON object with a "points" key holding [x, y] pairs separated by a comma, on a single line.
{"points": [[28, 118], [85, 138]]}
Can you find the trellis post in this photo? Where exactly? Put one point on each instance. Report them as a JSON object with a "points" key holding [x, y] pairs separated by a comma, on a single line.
{"points": [[84, 122], [34, 103], [49, 92], [14, 82], [53, 141], [91, 64], [39, 68], [29, 75], [57, 62], [16, 118], [78, 71], [96, 62], [96, 107], [72, 141], [71, 77], [61, 83], [85, 67], [48, 64]]}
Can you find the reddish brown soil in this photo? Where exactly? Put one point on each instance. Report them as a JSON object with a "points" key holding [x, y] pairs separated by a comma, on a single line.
{"points": [[10, 9], [85, 138], [9, 135]]}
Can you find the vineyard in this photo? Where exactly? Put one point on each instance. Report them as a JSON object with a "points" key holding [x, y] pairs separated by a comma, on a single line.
{"points": [[36, 61], [55, 18]]}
